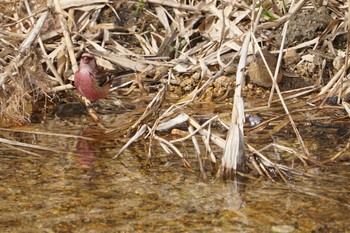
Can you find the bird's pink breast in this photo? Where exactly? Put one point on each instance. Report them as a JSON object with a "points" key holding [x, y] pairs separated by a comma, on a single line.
{"points": [[84, 83]]}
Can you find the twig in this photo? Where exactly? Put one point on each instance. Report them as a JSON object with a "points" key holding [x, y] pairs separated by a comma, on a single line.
{"points": [[195, 131], [284, 18], [138, 134], [300, 139], [197, 151], [66, 35], [233, 158], [175, 5], [47, 133], [43, 50], [22, 144]]}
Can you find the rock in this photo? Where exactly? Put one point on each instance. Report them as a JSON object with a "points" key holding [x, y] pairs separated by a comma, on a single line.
{"points": [[258, 72]]}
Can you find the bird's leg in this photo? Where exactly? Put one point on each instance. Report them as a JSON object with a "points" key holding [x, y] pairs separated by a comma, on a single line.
{"points": [[86, 102], [91, 112]]}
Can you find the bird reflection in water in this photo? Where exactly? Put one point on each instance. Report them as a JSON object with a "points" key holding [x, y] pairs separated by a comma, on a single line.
{"points": [[86, 149]]}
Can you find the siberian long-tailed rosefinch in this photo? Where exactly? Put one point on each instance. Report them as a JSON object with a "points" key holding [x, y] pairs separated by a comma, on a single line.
{"points": [[90, 80]]}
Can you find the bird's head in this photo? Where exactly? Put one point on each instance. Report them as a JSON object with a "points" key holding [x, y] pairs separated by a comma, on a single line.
{"points": [[88, 59]]}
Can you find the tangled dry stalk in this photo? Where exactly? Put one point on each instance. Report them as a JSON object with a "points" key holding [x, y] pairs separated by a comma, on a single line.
{"points": [[39, 43]]}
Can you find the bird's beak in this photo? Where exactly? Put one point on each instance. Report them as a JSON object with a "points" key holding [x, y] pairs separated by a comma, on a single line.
{"points": [[85, 59]]}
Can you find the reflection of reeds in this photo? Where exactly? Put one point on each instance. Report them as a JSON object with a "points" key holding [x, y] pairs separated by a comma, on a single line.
{"points": [[16, 143]]}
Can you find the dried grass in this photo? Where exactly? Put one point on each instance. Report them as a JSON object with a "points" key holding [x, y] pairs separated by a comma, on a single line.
{"points": [[39, 43]]}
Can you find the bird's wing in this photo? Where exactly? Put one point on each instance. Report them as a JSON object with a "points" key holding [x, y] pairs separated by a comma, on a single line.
{"points": [[102, 77]]}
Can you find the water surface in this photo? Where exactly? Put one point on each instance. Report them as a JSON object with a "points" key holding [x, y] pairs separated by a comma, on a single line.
{"points": [[78, 187]]}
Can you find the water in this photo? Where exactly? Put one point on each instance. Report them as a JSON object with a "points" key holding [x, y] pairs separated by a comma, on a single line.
{"points": [[78, 187]]}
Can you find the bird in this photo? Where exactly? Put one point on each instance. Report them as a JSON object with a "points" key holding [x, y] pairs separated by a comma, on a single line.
{"points": [[90, 80], [258, 72]]}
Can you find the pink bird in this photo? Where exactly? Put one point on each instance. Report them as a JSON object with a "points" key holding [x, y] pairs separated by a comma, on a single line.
{"points": [[90, 80]]}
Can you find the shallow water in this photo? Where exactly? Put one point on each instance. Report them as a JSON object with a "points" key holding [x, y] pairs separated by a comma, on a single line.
{"points": [[77, 187]]}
